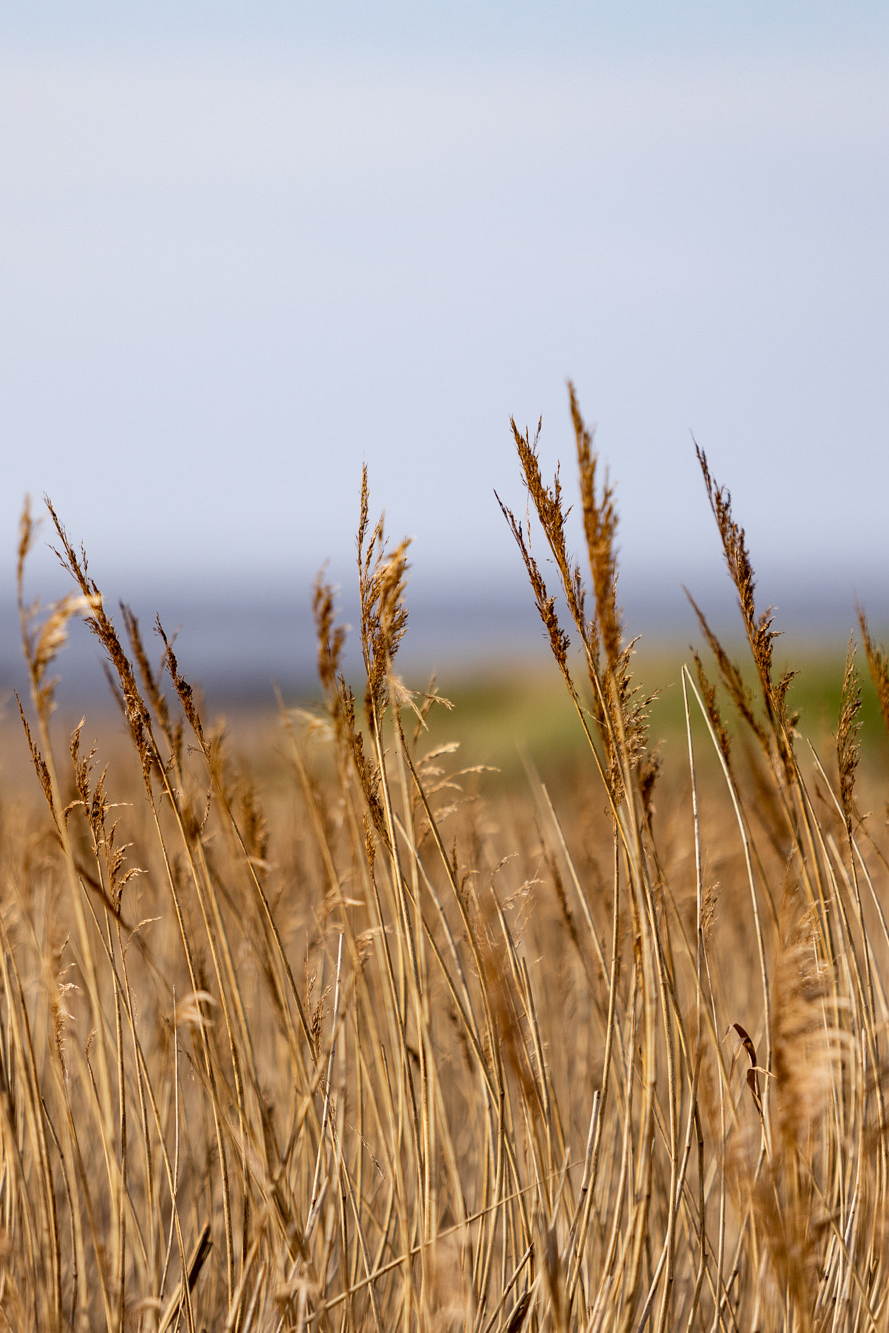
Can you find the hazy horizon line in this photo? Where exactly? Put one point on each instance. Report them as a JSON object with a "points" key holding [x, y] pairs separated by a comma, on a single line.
{"points": [[238, 645]]}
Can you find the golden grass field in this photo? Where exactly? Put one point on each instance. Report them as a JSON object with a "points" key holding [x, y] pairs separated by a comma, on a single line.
{"points": [[317, 1021]]}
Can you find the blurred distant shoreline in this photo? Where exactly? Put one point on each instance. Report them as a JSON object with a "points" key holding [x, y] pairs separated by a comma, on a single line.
{"points": [[237, 649]]}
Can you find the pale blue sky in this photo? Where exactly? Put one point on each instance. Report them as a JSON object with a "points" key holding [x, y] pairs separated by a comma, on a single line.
{"points": [[244, 247]]}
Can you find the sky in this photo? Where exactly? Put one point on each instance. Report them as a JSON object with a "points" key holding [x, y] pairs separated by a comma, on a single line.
{"points": [[245, 249]]}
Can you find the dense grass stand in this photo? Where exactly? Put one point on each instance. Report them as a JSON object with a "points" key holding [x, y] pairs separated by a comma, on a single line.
{"points": [[381, 1043]]}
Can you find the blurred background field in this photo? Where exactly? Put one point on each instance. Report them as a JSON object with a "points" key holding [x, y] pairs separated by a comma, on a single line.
{"points": [[507, 712]]}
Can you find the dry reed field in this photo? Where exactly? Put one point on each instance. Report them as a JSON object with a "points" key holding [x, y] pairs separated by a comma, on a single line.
{"points": [[385, 1044]]}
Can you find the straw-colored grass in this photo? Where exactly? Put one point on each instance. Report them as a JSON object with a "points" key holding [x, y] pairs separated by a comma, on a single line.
{"points": [[361, 1047]]}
